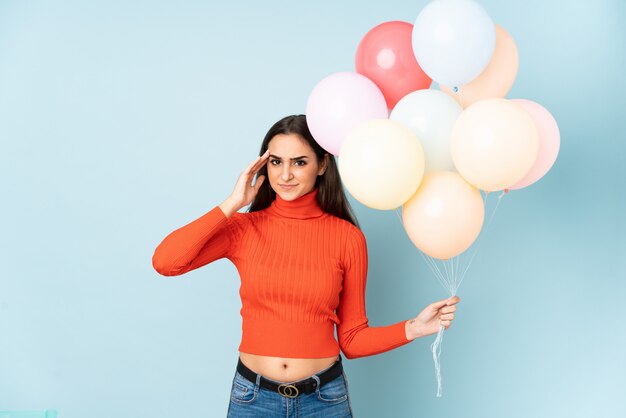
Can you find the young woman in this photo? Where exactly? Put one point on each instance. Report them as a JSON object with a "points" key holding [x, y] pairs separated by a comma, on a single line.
{"points": [[303, 265]]}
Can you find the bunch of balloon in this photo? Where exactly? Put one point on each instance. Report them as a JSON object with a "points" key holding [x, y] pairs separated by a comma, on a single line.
{"points": [[486, 142], [402, 143]]}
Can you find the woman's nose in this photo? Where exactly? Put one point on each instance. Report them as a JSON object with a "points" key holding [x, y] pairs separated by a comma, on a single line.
{"points": [[286, 173]]}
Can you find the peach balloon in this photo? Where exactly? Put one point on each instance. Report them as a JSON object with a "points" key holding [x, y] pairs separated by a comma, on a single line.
{"points": [[549, 142], [381, 163], [496, 79], [444, 217], [494, 144]]}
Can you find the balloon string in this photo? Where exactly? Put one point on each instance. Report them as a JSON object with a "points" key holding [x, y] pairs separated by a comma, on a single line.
{"points": [[437, 267], [450, 283], [447, 280], [397, 211], [435, 347], [479, 242], [433, 267], [431, 263], [446, 268], [436, 350]]}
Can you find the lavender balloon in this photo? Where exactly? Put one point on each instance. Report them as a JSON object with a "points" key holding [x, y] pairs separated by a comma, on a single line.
{"points": [[339, 103]]}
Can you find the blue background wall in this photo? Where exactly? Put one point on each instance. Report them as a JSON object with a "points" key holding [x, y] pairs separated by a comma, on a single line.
{"points": [[121, 121]]}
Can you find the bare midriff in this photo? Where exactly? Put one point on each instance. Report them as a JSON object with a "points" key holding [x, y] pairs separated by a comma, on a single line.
{"points": [[283, 369]]}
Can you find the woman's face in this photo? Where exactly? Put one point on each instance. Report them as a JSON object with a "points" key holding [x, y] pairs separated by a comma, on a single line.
{"points": [[292, 162]]}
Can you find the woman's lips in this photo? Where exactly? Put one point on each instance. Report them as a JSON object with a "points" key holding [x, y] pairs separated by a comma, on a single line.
{"points": [[287, 186]]}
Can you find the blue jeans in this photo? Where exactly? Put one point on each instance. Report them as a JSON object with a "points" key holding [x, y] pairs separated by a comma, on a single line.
{"points": [[250, 399]]}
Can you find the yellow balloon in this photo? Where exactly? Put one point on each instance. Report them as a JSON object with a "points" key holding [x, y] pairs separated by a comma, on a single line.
{"points": [[445, 215], [494, 143], [381, 163], [496, 79]]}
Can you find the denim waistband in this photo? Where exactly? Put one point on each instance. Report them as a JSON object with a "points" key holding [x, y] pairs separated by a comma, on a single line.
{"points": [[306, 385]]}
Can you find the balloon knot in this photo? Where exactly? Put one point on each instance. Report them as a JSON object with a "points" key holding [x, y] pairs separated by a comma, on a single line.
{"points": [[506, 190]]}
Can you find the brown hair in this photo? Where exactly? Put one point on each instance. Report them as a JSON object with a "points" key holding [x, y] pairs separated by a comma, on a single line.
{"points": [[330, 194]]}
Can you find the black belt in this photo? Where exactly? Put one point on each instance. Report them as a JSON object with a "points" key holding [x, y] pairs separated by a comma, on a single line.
{"points": [[293, 389]]}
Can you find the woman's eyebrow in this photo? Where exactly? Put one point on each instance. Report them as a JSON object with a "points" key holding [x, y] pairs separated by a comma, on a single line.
{"points": [[292, 159]]}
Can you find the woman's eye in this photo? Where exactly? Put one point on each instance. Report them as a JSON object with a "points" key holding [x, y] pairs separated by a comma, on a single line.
{"points": [[298, 161]]}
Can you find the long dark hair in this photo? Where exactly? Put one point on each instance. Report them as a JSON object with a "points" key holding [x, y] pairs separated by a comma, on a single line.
{"points": [[330, 194]]}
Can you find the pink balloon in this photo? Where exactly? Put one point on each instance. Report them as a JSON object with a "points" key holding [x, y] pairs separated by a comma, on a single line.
{"points": [[339, 103], [549, 142]]}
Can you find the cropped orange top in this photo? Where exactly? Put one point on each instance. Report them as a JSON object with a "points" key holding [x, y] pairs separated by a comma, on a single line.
{"points": [[302, 271]]}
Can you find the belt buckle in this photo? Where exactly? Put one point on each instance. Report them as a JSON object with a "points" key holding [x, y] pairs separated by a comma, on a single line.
{"points": [[288, 390]]}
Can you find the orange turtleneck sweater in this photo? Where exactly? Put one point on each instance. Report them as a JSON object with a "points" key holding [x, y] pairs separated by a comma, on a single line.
{"points": [[302, 271]]}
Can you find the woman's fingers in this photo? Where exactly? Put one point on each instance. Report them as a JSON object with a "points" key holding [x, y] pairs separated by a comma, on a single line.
{"points": [[258, 183], [447, 316], [448, 309], [453, 300], [251, 165], [259, 162], [435, 306], [248, 174]]}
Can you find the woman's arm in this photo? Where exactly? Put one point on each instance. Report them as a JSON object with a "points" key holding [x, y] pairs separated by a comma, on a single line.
{"points": [[209, 237], [356, 337], [196, 244]]}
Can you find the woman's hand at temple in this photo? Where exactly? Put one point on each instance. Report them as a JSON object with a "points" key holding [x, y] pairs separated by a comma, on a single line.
{"points": [[434, 316], [244, 191]]}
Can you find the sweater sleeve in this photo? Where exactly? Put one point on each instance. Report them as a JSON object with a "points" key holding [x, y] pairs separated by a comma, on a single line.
{"points": [[194, 245], [356, 337]]}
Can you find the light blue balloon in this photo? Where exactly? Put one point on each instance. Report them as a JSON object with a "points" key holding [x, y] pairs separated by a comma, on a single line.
{"points": [[430, 115], [453, 40]]}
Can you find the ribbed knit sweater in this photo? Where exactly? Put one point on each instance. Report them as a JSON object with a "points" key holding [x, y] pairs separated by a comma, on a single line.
{"points": [[302, 271]]}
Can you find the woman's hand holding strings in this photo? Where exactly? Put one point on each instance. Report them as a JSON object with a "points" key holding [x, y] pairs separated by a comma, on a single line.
{"points": [[434, 316]]}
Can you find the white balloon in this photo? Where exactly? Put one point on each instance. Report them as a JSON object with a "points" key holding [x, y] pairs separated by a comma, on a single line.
{"points": [[430, 114], [453, 40]]}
